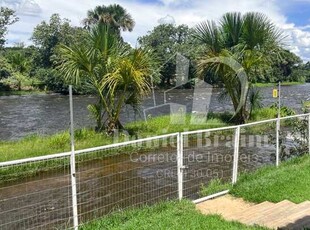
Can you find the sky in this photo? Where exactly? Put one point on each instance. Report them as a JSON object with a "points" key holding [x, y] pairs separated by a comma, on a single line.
{"points": [[291, 16]]}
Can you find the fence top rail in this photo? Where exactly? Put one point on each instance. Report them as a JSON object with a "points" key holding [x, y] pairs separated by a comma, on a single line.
{"points": [[209, 130], [67, 154], [244, 125], [295, 116], [34, 159]]}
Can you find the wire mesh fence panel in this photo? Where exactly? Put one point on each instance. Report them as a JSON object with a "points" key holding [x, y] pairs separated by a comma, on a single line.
{"points": [[257, 146], [293, 137], [36, 195], [128, 175], [208, 159]]}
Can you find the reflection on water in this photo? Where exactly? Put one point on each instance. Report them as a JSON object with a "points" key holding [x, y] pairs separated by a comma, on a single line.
{"points": [[45, 114]]}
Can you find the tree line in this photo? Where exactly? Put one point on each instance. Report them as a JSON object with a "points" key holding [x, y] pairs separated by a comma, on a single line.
{"points": [[34, 66]]}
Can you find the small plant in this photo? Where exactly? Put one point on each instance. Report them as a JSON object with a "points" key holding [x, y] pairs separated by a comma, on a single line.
{"points": [[60, 141], [306, 106]]}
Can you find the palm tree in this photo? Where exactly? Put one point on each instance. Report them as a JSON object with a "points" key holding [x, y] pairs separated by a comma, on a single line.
{"points": [[252, 43], [114, 15], [117, 74], [20, 65]]}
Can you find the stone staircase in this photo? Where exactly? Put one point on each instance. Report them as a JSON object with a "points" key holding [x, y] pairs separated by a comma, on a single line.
{"points": [[282, 215]]}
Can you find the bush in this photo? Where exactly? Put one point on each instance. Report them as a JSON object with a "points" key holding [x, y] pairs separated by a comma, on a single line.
{"points": [[271, 112]]}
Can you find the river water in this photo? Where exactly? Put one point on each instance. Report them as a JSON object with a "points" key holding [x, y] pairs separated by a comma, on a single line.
{"points": [[21, 116]]}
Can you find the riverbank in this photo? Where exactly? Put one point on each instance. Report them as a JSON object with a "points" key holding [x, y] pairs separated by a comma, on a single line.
{"points": [[37, 145], [285, 83], [22, 92]]}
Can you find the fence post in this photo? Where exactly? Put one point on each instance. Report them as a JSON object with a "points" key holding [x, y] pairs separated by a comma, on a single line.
{"points": [[278, 142], [236, 155], [180, 164], [309, 132], [72, 166], [278, 127]]}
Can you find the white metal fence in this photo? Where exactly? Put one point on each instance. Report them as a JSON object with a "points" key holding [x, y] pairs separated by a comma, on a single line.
{"points": [[36, 193]]}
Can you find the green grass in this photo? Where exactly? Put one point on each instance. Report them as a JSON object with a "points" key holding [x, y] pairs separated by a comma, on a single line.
{"points": [[289, 181], [35, 145], [171, 215], [164, 124], [275, 84], [215, 185], [21, 93]]}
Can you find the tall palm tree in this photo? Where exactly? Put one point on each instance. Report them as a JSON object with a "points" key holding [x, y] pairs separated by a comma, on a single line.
{"points": [[114, 15], [251, 41], [117, 74]]}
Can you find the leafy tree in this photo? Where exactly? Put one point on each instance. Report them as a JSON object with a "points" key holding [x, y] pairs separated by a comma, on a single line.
{"points": [[7, 17], [116, 74], [47, 35], [282, 69], [301, 72], [166, 40], [250, 42], [113, 15]]}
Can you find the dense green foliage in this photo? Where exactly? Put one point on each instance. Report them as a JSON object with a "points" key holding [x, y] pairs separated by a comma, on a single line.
{"points": [[171, 215], [167, 40], [33, 67]]}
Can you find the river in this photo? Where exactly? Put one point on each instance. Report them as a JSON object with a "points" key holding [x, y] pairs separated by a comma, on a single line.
{"points": [[21, 116]]}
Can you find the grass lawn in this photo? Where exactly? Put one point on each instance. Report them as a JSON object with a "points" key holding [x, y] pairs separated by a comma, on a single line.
{"points": [[167, 215], [290, 181]]}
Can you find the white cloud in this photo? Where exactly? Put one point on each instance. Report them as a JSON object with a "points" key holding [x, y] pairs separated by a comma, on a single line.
{"points": [[183, 11]]}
